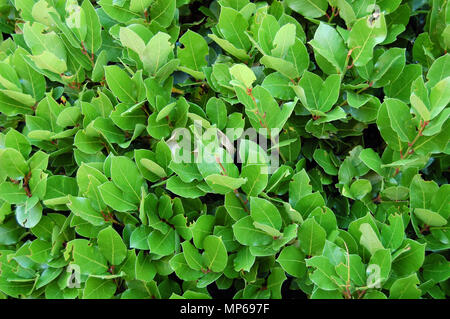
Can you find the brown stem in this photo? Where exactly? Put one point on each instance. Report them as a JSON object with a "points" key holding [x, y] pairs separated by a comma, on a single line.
{"points": [[410, 149], [425, 228], [262, 119], [26, 187], [240, 199], [84, 51], [361, 294]]}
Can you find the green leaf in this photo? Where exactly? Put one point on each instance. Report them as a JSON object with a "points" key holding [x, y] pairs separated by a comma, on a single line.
{"points": [[322, 157], [244, 259], [111, 245], [96, 288], [379, 267], [283, 40], [88, 257], [120, 83], [139, 237], [246, 234], [132, 40], [126, 176], [387, 131], [438, 70], [369, 238], [153, 167], [365, 34], [234, 204], [48, 49], [309, 8], [331, 171], [268, 229], [69, 117], [326, 218], [328, 43], [163, 12], [162, 244], [400, 88], [264, 212], [14, 139], [354, 269], [224, 184], [429, 217], [201, 229], [421, 192], [312, 237], [230, 48], [400, 118], [388, 66], [10, 232], [299, 187], [360, 188], [140, 5], [215, 254], [32, 81], [409, 258], [257, 178], [279, 86], [85, 143], [182, 269], [192, 256], [372, 160], [308, 203], [439, 97], [158, 43], [292, 260], [243, 74], [30, 213], [405, 288], [233, 26], [324, 276], [436, 268], [114, 197], [193, 55], [13, 162], [286, 68], [217, 112], [324, 99], [179, 187], [93, 35], [438, 202], [82, 208], [392, 236]]}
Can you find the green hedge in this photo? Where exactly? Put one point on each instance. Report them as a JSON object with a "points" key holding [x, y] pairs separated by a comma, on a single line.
{"points": [[196, 149]]}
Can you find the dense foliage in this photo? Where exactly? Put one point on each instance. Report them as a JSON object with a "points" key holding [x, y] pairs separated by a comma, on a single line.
{"points": [[349, 199]]}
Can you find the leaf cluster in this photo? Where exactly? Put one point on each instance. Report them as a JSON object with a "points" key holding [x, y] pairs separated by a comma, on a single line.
{"points": [[94, 202]]}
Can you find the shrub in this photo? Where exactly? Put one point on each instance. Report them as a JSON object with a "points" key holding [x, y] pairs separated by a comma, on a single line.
{"points": [[182, 148]]}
